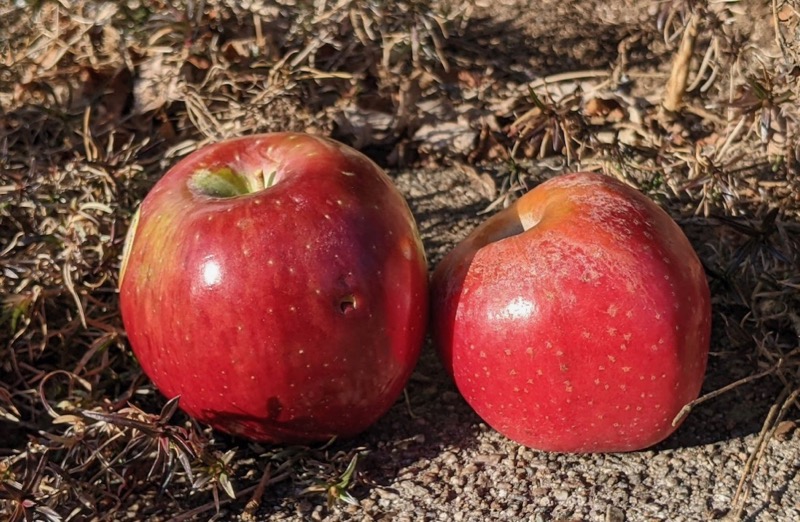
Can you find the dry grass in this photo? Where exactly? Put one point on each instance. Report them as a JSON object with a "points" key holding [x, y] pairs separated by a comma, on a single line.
{"points": [[97, 99]]}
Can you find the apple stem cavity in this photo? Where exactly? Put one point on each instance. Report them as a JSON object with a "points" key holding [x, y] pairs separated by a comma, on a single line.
{"points": [[225, 182]]}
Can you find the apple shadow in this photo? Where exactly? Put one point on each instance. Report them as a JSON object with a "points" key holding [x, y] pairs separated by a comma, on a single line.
{"points": [[429, 419], [434, 418]]}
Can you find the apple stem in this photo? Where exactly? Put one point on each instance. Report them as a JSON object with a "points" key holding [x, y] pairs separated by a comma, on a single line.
{"points": [[220, 183], [269, 179]]}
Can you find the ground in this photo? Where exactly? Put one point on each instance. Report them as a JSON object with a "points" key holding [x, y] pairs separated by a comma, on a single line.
{"points": [[466, 104]]}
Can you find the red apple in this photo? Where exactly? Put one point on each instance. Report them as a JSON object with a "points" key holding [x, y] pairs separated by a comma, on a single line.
{"points": [[576, 320], [278, 285]]}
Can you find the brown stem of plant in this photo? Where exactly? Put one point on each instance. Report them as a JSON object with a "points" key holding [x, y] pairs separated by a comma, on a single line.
{"points": [[688, 407], [255, 501], [188, 515], [679, 75]]}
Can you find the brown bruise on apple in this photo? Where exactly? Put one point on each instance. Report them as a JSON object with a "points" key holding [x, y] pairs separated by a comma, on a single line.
{"points": [[581, 250], [362, 317]]}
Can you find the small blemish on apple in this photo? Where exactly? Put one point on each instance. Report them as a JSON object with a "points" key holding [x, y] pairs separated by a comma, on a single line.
{"points": [[348, 304], [407, 248]]}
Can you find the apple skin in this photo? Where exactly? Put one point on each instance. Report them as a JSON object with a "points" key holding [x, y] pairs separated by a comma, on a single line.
{"points": [[292, 313], [576, 320]]}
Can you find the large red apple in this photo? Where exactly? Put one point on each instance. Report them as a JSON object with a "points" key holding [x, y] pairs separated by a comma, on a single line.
{"points": [[576, 320], [278, 285]]}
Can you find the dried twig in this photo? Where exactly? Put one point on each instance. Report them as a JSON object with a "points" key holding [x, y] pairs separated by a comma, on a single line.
{"points": [[679, 74]]}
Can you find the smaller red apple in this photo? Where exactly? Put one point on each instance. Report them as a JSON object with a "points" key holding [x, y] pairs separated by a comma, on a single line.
{"points": [[576, 320], [278, 285]]}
